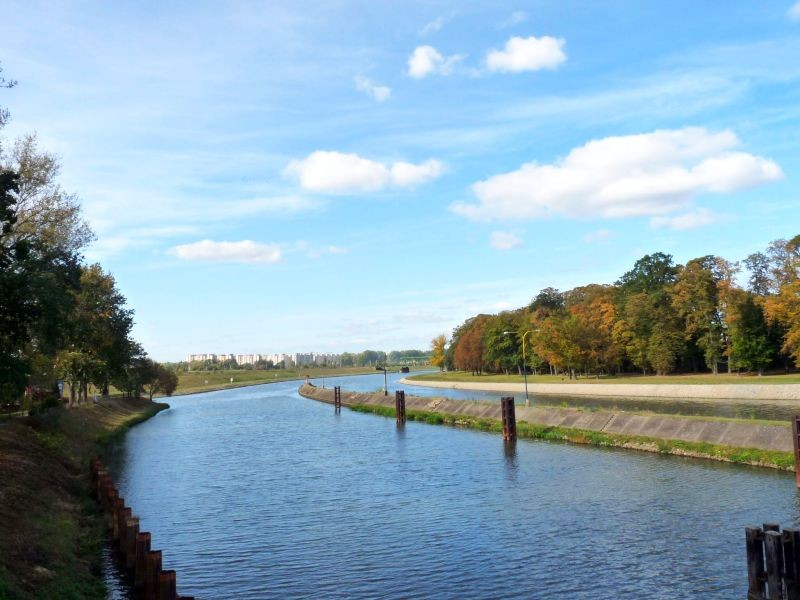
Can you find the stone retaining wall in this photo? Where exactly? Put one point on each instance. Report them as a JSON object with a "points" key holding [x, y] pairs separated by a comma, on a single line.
{"points": [[667, 427], [741, 391]]}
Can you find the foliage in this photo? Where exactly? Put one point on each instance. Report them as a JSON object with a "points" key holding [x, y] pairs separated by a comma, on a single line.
{"points": [[438, 351], [658, 317], [58, 317]]}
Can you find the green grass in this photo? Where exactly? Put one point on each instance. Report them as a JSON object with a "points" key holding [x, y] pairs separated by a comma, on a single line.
{"points": [[203, 381], [750, 456], [705, 379]]}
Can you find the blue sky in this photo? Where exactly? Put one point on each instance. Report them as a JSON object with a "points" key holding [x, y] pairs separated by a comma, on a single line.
{"points": [[334, 176]]}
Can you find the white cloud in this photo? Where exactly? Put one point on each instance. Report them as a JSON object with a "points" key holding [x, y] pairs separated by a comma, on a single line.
{"points": [[433, 26], [651, 174], [527, 54], [408, 175], [517, 17], [426, 60], [377, 92], [244, 251], [600, 236], [502, 240], [337, 172], [690, 220], [794, 12]]}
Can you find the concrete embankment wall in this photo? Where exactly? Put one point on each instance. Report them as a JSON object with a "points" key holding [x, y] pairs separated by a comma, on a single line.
{"points": [[725, 433], [742, 391]]}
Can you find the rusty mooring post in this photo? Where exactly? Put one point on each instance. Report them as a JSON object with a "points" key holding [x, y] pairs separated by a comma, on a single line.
{"points": [[400, 406], [167, 585], [796, 440], [151, 575], [337, 399], [140, 571], [509, 418]]}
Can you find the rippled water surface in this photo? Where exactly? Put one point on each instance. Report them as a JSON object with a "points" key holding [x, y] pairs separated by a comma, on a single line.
{"points": [[259, 493]]}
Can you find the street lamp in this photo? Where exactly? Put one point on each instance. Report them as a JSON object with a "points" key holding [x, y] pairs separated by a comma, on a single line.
{"points": [[524, 362]]}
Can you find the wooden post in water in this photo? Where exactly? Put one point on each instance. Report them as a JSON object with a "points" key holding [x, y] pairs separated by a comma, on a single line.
{"points": [[151, 575], [796, 441], [167, 587], [507, 409], [337, 399], [791, 561], [140, 568], [773, 550], [754, 537], [400, 406], [131, 531]]}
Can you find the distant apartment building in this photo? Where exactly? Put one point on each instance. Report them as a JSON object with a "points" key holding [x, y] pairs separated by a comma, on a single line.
{"points": [[296, 359], [201, 358]]}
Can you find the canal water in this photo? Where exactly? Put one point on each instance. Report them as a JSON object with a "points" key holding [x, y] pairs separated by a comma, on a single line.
{"points": [[259, 493]]}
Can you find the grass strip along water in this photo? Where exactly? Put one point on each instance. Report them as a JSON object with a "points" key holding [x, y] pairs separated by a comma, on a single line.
{"points": [[51, 530], [379, 405]]}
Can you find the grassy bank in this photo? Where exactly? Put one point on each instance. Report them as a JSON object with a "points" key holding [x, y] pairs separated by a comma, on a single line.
{"points": [[208, 381], [749, 456], [702, 379], [51, 531]]}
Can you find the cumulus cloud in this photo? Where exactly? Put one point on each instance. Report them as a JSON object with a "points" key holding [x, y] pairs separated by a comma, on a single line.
{"points": [[244, 251], [651, 174], [794, 12], [527, 54], [377, 92], [690, 220], [337, 172], [427, 60], [502, 240]]}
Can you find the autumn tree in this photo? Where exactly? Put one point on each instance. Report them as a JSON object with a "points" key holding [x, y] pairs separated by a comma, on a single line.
{"points": [[438, 351]]}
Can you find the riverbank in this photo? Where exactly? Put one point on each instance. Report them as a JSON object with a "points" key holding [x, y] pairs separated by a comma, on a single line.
{"points": [[194, 382], [51, 531], [753, 443], [788, 392]]}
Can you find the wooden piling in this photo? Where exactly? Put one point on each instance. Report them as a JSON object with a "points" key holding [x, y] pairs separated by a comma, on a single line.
{"points": [[151, 575], [754, 538], [337, 399], [791, 561], [508, 411], [131, 531], [773, 550], [400, 406], [167, 587], [796, 441], [140, 566]]}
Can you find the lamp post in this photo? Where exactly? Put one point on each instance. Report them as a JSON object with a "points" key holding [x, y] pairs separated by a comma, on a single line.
{"points": [[524, 362]]}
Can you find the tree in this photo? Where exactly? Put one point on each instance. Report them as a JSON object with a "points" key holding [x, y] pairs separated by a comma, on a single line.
{"points": [[155, 378], [502, 342], [5, 83], [696, 296], [750, 347], [438, 351], [78, 369], [651, 274], [467, 344], [45, 212]]}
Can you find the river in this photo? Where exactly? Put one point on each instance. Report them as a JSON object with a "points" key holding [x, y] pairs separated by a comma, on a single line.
{"points": [[258, 493]]}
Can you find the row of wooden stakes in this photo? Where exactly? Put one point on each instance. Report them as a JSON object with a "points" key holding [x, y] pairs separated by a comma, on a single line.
{"points": [[150, 582]]}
